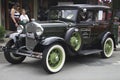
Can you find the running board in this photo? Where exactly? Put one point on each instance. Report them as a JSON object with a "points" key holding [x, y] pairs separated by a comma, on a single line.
{"points": [[87, 52]]}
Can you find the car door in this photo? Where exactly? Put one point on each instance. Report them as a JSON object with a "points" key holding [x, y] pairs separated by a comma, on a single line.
{"points": [[86, 27], [101, 25]]}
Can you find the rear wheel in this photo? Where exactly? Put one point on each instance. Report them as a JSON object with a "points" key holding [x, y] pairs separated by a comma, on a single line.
{"points": [[53, 58], [108, 48], [12, 57]]}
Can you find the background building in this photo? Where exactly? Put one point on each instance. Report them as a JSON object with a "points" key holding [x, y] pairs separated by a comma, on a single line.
{"points": [[35, 7], [7, 5], [0, 11]]}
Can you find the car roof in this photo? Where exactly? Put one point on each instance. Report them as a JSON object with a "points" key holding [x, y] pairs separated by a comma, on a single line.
{"points": [[83, 6]]}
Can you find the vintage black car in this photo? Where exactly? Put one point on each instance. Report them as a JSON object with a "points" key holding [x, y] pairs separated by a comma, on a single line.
{"points": [[77, 29]]}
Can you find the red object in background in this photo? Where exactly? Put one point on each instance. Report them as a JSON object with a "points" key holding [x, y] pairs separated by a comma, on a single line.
{"points": [[105, 1], [109, 15]]}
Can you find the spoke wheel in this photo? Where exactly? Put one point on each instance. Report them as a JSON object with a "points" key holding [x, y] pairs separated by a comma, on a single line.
{"points": [[53, 58], [108, 48], [75, 41]]}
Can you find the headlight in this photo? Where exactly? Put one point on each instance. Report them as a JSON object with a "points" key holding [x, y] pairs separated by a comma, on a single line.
{"points": [[20, 29], [39, 31]]}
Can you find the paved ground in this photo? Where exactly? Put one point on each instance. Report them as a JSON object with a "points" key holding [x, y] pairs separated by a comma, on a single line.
{"points": [[90, 67]]}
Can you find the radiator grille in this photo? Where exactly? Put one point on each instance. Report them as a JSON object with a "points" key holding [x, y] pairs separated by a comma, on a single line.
{"points": [[30, 38]]}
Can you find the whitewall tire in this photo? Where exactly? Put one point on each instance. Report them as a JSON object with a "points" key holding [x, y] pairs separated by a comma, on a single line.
{"points": [[53, 58], [108, 48]]}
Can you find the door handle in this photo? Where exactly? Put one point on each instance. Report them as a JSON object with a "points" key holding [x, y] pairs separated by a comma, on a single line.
{"points": [[95, 24]]}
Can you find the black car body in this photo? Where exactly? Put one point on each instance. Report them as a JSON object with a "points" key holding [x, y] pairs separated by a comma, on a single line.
{"points": [[70, 30]]}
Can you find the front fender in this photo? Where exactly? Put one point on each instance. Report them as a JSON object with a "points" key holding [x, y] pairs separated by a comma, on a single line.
{"points": [[59, 40], [13, 36], [51, 40]]}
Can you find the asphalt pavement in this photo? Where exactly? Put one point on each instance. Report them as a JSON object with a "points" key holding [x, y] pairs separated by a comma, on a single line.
{"points": [[91, 67]]}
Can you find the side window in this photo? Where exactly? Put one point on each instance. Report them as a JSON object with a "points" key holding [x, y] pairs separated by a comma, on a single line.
{"points": [[90, 16], [100, 15], [53, 14], [82, 16], [85, 16]]}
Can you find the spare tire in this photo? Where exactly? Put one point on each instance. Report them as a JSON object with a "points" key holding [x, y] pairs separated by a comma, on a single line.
{"points": [[73, 37]]}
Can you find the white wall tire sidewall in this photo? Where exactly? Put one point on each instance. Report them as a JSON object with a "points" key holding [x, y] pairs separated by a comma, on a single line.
{"points": [[63, 61], [112, 47]]}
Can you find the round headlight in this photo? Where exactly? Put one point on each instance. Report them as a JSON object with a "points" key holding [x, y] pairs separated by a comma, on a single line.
{"points": [[39, 31], [20, 29]]}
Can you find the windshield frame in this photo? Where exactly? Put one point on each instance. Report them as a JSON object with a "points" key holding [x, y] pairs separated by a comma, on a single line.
{"points": [[60, 9]]}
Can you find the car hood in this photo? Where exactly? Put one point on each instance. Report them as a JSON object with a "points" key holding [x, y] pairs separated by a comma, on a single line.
{"points": [[49, 28], [55, 23]]}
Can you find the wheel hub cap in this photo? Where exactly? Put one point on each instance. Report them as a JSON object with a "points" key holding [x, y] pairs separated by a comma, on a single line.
{"points": [[54, 58], [75, 41], [108, 47]]}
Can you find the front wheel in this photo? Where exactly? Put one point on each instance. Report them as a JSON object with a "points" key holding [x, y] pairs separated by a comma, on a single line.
{"points": [[12, 57], [108, 48], [53, 58]]}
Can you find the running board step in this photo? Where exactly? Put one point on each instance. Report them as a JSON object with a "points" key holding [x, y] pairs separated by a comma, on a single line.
{"points": [[87, 52]]}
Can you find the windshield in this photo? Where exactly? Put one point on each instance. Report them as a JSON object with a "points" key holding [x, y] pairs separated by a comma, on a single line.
{"points": [[62, 14]]}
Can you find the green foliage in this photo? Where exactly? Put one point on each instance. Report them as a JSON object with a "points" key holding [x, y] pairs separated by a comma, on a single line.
{"points": [[2, 32]]}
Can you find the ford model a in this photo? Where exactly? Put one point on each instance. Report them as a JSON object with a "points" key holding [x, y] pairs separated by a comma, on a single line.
{"points": [[69, 30]]}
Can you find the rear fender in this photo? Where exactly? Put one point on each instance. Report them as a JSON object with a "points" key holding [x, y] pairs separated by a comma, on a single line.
{"points": [[107, 34]]}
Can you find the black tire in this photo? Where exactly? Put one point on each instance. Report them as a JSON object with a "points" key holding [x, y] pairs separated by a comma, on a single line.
{"points": [[76, 43], [108, 48], [53, 58], [12, 57]]}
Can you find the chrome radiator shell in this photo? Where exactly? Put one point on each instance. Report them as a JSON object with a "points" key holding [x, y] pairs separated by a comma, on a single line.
{"points": [[30, 36]]}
